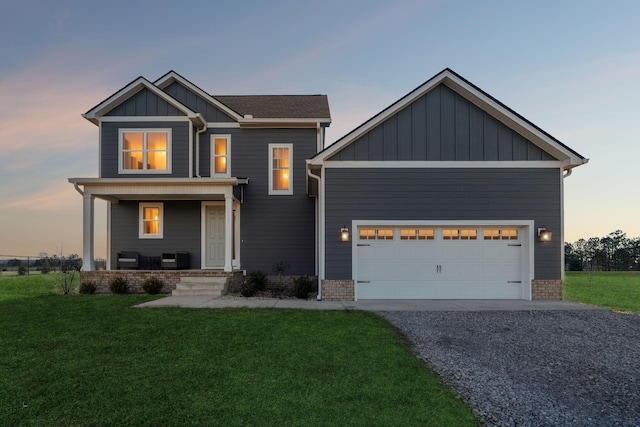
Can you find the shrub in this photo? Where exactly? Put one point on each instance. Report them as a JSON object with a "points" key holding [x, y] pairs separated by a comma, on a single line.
{"points": [[247, 288], [87, 288], [302, 285], [22, 270], [119, 285], [259, 280], [152, 285]]}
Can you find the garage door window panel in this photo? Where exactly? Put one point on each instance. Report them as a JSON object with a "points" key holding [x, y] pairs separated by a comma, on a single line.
{"points": [[500, 234], [460, 234]]}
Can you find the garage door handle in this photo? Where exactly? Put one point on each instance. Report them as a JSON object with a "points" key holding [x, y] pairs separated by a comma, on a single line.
{"points": [[514, 245], [514, 281], [363, 244], [364, 281]]}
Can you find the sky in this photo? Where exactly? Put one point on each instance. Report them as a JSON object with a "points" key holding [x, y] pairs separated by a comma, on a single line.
{"points": [[570, 67]]}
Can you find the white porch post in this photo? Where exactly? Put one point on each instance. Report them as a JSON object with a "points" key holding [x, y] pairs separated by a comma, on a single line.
{"points": [[87, 232], [228, 232]]}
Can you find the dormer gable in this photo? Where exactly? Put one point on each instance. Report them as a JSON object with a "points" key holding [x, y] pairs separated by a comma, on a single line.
{"points": [[141, 98]]}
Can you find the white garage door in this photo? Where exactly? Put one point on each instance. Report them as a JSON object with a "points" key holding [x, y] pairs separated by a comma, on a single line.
{"points": [[421, 262]]}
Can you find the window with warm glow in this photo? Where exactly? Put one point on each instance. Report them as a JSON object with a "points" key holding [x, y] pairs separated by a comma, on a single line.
{"points": [[221, 150], [460, 234], [151, 220], [145, 151], [417, 234], [280, 169], [500, 234]]}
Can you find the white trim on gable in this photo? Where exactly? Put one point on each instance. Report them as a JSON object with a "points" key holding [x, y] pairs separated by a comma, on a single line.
{"points": [[172, 76], [485, 102], [432, 164], [96, 114]]}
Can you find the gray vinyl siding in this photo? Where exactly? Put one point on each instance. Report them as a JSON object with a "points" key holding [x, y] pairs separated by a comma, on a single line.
{"points": [[442, 194], [145, 103], [196, 103], [179, 148], [442, 125], [181, 231], [273, 228]]}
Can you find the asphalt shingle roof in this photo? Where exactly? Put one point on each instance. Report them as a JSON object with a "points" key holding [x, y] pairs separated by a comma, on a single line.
{"points": [[278, 106]]}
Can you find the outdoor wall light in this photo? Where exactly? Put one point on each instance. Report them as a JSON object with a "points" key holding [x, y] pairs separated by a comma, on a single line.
{"points": [[344, 234], [544, 234]]}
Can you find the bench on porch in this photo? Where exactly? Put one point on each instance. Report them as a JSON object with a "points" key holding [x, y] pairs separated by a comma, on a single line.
{"points": [[128, 260], [175, 260]]}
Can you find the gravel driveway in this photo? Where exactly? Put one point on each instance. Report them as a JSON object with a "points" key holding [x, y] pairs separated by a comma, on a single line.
{"points": [[531, 368]]}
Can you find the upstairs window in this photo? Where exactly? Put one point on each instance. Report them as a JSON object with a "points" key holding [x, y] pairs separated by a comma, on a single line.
{"points": [[151, 221], [220, 149], [145, 151], [280, 169]]}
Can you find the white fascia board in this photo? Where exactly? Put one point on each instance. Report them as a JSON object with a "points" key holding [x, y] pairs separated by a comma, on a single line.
{"points": [[96, 113], [124, 119], [511, 119], [411, 164], [379, 118], [172, 76]]}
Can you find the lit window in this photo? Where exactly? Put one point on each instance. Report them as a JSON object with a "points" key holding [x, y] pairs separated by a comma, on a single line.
{"points": [[220, 148], [460, 234], [145, 151], [500, 234], [417, 234], [151, 220], [375, 233], [280, 169]]}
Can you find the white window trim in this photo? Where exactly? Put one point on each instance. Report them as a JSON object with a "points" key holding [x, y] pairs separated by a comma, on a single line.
{"points": [[141, 233], [272, 191], [213, 155], [122, 170]]}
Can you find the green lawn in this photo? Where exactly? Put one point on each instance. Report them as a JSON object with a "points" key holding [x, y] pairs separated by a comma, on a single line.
{"points": [[94, 360], [612, 289]]}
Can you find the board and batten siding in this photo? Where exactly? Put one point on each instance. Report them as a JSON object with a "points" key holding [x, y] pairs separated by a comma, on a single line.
{"points": [[442, 194], [181, 230], [274, 228], [145, 103], [197, 103], [442, 125], [179, 148]]}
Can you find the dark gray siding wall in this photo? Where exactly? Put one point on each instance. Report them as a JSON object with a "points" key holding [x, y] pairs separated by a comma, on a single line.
{"points": [[179, 148], [273, 228], [181, 230], [196, 103], [442, 194], [442, 125], [145, 103]]}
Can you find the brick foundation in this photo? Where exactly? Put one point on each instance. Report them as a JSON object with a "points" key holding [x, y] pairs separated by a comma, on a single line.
{"points": [[546, 290], [135, 278], [338, 290]]}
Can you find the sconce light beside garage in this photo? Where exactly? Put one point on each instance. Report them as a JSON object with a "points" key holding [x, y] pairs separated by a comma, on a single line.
{"points": [[344, 234], [544, 234]]}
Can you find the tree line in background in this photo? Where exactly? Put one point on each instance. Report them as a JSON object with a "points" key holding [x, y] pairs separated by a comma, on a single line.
{"points": [[614, 252], [44, 263]]}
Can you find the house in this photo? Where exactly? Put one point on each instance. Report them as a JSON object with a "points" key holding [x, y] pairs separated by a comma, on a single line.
{"points": [[445, 194], [221, 178]]}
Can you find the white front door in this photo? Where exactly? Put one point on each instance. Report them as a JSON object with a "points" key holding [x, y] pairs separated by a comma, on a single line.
{"points": [[214, 237]]}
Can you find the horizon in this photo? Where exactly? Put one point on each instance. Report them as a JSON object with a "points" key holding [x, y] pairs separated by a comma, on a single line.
{"points": [[574, 79]]}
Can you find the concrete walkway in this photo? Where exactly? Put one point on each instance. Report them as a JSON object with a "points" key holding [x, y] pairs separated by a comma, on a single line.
{"points": [[368, 305]]}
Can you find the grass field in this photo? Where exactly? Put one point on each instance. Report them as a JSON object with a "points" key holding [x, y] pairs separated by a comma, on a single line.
{"points": [[612, 289], [95, 360]]}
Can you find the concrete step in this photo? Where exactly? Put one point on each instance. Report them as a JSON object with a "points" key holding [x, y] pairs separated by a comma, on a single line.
{"points": [[214, 293], [201, 286]]}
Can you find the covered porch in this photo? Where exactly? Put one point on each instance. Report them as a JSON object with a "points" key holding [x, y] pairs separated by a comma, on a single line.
{"points": [[218, 247]]}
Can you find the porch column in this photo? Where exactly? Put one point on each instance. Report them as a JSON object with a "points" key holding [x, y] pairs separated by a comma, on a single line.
{"points": [[87, 232], [228, 232]]}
